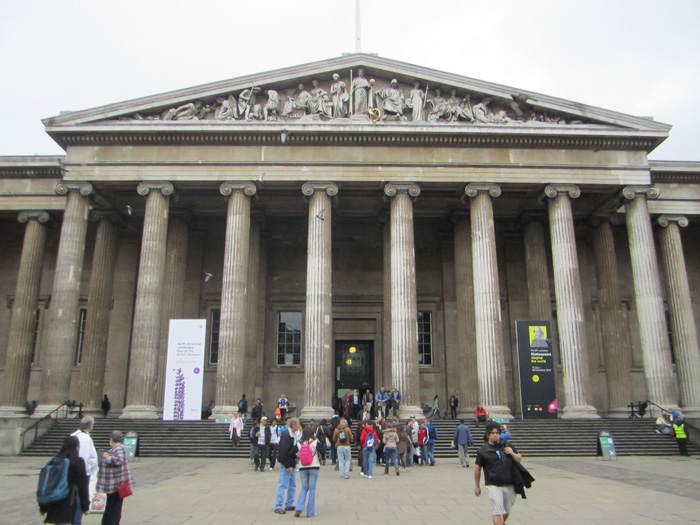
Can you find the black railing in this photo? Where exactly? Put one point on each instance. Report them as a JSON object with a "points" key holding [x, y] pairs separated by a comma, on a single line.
{"points": [[67, 408]]}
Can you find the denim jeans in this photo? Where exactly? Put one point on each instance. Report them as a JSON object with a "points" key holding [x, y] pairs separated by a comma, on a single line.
{"points": [[424, 455], [344, 459], [369, 458], [430, 449], [390, 457], [288, 483], [308, 477]]}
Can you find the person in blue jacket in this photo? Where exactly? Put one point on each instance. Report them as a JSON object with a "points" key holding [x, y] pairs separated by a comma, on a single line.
{"points": [[462, 440]]}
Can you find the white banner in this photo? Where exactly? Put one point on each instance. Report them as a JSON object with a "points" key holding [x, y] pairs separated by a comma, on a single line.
{"points": [[185, 369]]}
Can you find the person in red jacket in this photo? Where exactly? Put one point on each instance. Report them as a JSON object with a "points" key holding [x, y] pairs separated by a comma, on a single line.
{"points": [[481, 414], [369, 441]]}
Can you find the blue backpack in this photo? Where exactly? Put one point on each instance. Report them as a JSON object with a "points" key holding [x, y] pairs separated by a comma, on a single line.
{"points": [[369, 441], [53, 482]]}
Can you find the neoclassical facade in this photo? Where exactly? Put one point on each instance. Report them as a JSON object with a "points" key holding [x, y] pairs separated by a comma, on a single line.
{"points": [[347, 224]]}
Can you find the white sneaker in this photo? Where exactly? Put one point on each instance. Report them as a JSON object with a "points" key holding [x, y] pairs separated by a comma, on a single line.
{"points": [[369, 477], [362, 474]]}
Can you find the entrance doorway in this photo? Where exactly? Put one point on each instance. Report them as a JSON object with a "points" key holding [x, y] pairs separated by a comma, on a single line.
{"points": [[354, 367]]}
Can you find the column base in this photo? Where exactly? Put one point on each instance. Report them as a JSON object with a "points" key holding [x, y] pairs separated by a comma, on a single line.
{"points": [[316, 413], [619, 413], [580, 412], [498, 412], [406, 411], [7, 412], [223, 412], [139, 412]]}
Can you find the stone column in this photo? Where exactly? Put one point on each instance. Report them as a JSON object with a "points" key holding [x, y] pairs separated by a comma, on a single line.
{"points": [[173, 294], [318, 322], [141, 387], [21, 334], [230, 370], [404, 305], [680, 308], [464, 284], [487, 301], [64, 312], [94, 360], [656, 350], [536, 267], [252, 328], [382, 366], [570, 316], [616, 345]]}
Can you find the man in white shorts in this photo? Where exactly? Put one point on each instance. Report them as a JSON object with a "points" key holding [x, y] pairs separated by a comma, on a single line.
{"points": [[495, 459]]}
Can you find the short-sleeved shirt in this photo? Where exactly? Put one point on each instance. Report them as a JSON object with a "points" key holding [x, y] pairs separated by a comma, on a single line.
{"points": [[497, 465]]}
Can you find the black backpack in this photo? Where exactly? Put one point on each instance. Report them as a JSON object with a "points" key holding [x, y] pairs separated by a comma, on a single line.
{"points": [[53, 482]]}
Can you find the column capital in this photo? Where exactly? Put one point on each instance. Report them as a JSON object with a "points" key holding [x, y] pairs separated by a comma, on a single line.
{"points": [[665, 220], [554, 190], [309, 188], [630, 192], [147, 187], [473, 189], [38, 215], [393, 188], [248, 188], [63, 188], [97, 216]]}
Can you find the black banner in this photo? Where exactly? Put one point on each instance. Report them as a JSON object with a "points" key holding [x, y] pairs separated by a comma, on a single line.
{"points": [[538, 393]]}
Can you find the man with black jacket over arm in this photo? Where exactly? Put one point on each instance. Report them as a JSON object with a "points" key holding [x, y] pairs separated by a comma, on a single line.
{"points": [[261, 443], [287, 458]]}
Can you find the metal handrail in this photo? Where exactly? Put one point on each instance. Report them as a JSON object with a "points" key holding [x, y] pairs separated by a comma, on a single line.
{"points": [[36, 424]]}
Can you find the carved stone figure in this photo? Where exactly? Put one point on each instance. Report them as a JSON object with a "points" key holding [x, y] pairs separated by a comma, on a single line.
{"points": [[416, 101], [319, 104], [440, 107], [247, 103], [340, 97], [272, 106], [300, 102], [483, 113], [191, 111], [459, 107], [360, 93], [392, 101], [228, 109]]}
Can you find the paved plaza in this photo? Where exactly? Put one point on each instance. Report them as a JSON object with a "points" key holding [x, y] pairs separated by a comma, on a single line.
{"points": [[639, 490]]}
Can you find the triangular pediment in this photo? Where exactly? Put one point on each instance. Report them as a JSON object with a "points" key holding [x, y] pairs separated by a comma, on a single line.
{"points": [[356, 91]]}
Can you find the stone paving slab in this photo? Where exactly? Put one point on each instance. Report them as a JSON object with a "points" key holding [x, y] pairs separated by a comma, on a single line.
{"points": [[639, 490]]}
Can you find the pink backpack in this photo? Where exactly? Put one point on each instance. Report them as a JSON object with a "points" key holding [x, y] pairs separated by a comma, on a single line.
{"points": [[306, 455]]}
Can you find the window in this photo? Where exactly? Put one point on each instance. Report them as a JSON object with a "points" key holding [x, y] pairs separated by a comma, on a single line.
{"points": [[289, 338], [81, 336], [425, 339], [215, 321], [670, 337]]}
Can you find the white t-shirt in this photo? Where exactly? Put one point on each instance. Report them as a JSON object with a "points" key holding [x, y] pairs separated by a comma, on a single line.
{"points": [[87, 451]]}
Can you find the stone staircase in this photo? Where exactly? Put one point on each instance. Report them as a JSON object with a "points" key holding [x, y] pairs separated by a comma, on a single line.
{"points": [[533, 438]]}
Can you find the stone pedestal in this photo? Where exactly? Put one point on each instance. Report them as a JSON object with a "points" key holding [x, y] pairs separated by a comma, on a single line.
{"points": [[230, 371], [141, 387], [656, 351], [570, 316], [21, 334], [616, 344], [404, 306], [464, 284], [62, 325], [94, 359], [680, 308], [487, 301], [318, 322]]}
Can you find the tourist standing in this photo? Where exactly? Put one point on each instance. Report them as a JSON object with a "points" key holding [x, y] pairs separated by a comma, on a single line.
{"points": [[243, 408], [368, 440], [235, 429], [114, 472], [454, 403], [462, 440], [283, 404], [89, 454], [65, 511], [390, 438], [681, 434], [287, 458], [106, 405], [274, 443], [308, 465], [342, 438]]}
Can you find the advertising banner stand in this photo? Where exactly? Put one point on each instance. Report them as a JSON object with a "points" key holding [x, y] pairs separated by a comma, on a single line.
{"points": [[538, 395], [184, 375]]}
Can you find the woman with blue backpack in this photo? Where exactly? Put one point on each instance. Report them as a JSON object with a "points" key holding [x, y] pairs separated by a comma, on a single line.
{"points": [[63, 485], [309, 464]]}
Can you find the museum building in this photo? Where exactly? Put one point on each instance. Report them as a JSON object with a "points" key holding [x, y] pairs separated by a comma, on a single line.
{"points": [[354, 223]]}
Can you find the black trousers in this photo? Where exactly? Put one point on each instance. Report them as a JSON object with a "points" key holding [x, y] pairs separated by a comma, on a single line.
{"points": [[260, 456], [113, 509]]}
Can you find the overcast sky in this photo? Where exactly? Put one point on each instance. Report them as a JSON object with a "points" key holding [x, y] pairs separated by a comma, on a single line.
{"points": [[638, 57]]}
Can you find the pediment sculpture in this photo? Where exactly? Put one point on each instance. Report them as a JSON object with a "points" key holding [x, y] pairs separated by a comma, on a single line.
{"points": [[357, 99]]}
